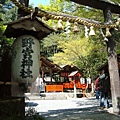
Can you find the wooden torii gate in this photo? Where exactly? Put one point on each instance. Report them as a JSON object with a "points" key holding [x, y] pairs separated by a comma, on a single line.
{"points": [[107, 8]]}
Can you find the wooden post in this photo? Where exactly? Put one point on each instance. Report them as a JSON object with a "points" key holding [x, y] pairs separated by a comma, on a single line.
{"points": [[83, 92], [113, 64], [74, 88], [51, 74]]}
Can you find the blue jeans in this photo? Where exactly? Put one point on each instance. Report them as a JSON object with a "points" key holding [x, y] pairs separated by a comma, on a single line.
{"points": [[97, 94], [40, 88], [104, 102]]}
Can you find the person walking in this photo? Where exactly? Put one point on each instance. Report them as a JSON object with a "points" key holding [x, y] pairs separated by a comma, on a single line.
{"points": [[97, 90], [104, 86], [39, 82]]}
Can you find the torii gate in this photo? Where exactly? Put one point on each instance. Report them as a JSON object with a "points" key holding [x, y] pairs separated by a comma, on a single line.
{"points": [[107, 8]]}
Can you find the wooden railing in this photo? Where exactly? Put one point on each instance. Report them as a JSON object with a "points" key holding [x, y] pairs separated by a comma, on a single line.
{"points": [[54, 88]]}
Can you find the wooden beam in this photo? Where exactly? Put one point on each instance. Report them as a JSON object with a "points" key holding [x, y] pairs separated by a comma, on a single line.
{"points": [[100, 4]]}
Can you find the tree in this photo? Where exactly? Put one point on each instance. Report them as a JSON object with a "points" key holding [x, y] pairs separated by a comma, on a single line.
{"points": [[8, 11], [82, 53], [5, 48], [53, 40]]}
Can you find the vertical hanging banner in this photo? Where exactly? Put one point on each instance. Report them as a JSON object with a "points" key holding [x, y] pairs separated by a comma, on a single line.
{"points": [[25, 59]]}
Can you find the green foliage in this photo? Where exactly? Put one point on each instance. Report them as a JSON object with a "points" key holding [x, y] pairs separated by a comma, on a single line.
{"points": [[5, 56], [115, 1], [64, 49], [49, 45], [54, 6], [5, 43], [11, 110], [87, 54], [87, 12], [81, 52], [8, 11]]}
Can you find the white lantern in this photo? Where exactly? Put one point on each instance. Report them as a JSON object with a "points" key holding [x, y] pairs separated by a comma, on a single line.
{"points": [[89, 80], [82, 80], [25, 59]]}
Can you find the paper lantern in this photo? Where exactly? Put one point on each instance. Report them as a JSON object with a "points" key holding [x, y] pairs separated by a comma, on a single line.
{"points": [[108, 34], [76, 28], [60, 25], [25, 59], [92, 32], [82, 80], [88, 80]]}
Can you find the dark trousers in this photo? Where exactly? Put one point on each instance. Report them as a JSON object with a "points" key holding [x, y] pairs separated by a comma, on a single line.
{"points": [[104, 99], [97, 94]]}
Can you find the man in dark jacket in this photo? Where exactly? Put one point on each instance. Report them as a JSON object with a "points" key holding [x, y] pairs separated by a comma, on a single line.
{"points": [[104, 86]]}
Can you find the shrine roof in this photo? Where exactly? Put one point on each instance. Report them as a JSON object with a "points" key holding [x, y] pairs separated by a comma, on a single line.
{"points": [[49, 64], [69, 68], [73, 73]]}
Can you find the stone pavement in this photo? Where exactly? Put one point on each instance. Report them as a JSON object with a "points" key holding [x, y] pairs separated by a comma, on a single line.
{"points": [[52, 96], [72, 109]]}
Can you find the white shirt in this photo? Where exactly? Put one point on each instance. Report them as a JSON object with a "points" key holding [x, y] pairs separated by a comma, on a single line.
{"points": [[39, 81]]}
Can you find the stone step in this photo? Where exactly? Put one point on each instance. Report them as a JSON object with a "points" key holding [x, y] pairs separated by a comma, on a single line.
{"points": [[52, 96]]}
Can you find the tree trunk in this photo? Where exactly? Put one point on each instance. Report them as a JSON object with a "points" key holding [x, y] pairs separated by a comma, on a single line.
{"points": [[113, 65]]}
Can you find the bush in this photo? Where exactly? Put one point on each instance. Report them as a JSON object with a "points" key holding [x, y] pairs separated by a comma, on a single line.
{"points": [[31, 114], [12, 109]]}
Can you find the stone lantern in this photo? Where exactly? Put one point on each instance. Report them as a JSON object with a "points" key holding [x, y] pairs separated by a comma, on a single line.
{"points": [[26, 50]]}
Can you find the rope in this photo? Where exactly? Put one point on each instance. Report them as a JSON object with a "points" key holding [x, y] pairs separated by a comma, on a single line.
{"points": [[64, 18]]}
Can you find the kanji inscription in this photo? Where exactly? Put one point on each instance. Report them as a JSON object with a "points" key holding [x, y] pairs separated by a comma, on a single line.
{"points": [[27, 61]]}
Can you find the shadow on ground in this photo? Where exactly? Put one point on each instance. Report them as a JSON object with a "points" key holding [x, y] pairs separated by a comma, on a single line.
{"points": [[30, 104], [91, 113]]}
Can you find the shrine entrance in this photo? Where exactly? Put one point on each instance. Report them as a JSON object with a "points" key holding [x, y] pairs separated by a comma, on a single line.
{"points": [[108, 25]]}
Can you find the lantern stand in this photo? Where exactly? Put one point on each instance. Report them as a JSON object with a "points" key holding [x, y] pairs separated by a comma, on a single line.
{"points": [[82, 81], [74, 88], [25, 65], [88, 87], [74, 75]]}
